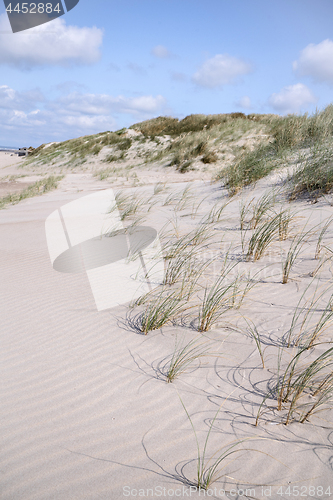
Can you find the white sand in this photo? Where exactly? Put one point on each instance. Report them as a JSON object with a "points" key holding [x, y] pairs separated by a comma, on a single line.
{"points": [[8, 159], [12, 177], [85, 411]]}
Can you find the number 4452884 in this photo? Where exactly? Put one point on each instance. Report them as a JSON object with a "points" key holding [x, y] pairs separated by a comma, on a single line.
{"points": [[304, 491], [34, 8]]}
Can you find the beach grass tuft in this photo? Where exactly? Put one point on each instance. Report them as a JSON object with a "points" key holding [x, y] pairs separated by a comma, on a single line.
{"points": [[38, 188], [210, 470], [185, 355], [160, 310]]}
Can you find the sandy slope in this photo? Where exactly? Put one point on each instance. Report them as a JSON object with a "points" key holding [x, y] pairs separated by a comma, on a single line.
{"points": [[10, 166], [85, 410]]}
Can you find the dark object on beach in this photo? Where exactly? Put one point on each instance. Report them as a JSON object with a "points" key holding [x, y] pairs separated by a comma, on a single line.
{"points": [[25, 151]]}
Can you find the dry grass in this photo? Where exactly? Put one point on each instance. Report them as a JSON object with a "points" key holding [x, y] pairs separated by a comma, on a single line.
{"points": [[311, 318], [184, 356], [249, 168], [289, 134], [161, 309], [192, 123], [210, 470], [216, 300], [314, 174], [314, 379], [262, 237], [321, 236], [36, 189]]}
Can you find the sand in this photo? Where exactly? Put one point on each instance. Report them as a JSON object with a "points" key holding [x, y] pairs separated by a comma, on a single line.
{"points": [[12, 178], [86, 413]]}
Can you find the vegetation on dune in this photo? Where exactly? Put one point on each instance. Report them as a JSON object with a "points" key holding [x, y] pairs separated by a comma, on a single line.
{"points": [[205, 145], [303, 130], [38, 188], [204, 284], [196, 137], [192, 123], [275, 141], [249, 168], [78, 149], [302, 388], [184, 356], [314, 174], [311, 135]]}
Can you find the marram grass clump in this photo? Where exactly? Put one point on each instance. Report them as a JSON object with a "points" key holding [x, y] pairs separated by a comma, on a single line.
{"points": [[36, 189], [287, 135]]}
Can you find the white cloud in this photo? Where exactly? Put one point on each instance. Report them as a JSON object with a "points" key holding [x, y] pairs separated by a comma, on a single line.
{"points": [[244, 102], [316, 61], [104, 104], [11, 99], [292, 99], [161, 52], [221, 69], [29, 114], [53, 43], [144, 104]]}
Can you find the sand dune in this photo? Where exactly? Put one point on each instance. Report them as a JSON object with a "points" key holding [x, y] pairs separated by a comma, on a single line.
{"points": [[86, 412]]}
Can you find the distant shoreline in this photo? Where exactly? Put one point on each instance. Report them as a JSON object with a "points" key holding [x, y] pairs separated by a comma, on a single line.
{"points": [[8, 150]]}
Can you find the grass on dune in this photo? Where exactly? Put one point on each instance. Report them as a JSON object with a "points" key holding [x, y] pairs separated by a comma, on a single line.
{"points": [[128, 205], [181, 258], [192, 123], [190, 278], [161, 309], [216, 213], [324, 229], [310, 320], [196, 137], [184, 356], [314, 175], [210, 470], [178, 198], [244, 210], [303, 130], [276, 226], [289, 134], [36, 189], [249, 168], [261, 208], [292, 254], [216, 300], [254, 212], [77, 150], [186, 243], [286, 217], [306, 324], [252, 329], [159, 187], [296, 382], [200, 138], [302, 388], [176, 266], [262, 237]]}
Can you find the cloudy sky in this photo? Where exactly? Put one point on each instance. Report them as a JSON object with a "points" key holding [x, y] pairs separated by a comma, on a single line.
{"points": [[108, 64]]}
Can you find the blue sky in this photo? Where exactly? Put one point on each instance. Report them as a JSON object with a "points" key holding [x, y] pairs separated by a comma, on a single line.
{"points": [[108, 64]]}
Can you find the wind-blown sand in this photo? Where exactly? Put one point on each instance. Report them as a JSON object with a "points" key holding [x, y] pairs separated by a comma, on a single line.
{"points": [[86, 413]]}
